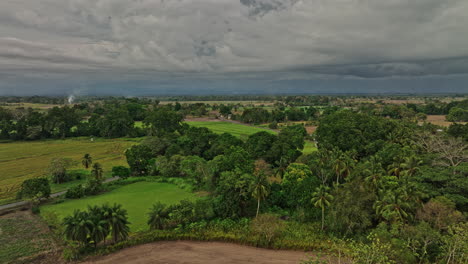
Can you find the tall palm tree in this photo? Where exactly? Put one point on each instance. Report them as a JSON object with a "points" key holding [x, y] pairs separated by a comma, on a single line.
{"points": [[321, 199], [116, 218], [87, 160], [77, 227], [260, 189], [97, 171]]}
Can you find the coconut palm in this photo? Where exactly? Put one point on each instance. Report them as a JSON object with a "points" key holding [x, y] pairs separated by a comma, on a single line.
{"points": [[99, 227], [77, 227], [260, 189], [321, 199], [97, 171], [411, 165], [157, 216], [393, 207], [87, 160], [373, 171], [116, 218]]}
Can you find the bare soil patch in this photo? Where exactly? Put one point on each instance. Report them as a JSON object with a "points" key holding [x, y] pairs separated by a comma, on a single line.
{"points": [[178, 252], [440, 120]]}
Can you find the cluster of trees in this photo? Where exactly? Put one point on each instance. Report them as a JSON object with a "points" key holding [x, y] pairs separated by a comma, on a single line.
{"points": [[96, 224], [456, 111], [400, 184]]}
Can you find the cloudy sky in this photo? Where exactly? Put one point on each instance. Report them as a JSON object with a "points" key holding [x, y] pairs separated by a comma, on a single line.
{"points": [[144, 47]]}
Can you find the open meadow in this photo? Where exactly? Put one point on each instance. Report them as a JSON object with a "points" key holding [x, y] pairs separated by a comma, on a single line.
{"points": [[136, 198], [24, 160], [238, 130]]}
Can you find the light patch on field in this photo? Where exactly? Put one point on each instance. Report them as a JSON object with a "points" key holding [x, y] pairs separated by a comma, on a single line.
{"points": [[440, 120]]}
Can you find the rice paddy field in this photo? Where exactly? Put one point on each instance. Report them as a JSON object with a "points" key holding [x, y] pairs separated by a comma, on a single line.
{"points": [[24, 160], [137, 198]]}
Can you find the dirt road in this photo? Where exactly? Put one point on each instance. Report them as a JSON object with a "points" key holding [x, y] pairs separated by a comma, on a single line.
{"points": [[178, 252]]}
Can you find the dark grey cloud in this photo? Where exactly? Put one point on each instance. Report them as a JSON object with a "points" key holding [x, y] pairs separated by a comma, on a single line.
{"points": [[256, 41]]}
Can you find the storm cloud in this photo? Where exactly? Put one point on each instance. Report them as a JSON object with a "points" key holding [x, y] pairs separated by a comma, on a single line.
{"points": [[162, 45]]}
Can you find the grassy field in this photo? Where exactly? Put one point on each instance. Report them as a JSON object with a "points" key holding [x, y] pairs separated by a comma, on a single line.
{"points": [[136, 198], [309, 147], [23, 160], [23, 236], [238, 130]]}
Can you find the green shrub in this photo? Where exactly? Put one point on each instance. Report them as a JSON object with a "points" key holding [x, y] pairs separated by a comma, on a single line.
{"points": [[120, 171], [75, 192]]}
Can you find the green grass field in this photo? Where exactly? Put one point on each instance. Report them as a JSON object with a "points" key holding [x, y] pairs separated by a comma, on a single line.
{"points": [[238, 130], [136, 198], [309, 147], [23, 160]]}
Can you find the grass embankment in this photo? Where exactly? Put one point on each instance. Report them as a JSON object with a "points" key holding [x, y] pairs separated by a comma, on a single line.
{"points": [[136, 198], [22, 237], [24, 160]]}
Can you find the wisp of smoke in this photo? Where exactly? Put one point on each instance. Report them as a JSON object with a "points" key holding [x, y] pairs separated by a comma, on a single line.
{"points": [[71, 98]]}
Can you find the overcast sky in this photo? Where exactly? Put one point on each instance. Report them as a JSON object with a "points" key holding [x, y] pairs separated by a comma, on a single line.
{"points": [[125, 47]]}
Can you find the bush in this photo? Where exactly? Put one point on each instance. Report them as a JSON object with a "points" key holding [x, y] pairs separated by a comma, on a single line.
{"points": [[35, 188], [267, 227], [75, 192], [273, 125], [121, 171], [76, 175], [35, 210], [93, 187]]}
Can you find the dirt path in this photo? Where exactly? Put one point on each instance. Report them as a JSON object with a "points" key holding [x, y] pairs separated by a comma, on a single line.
{"points": [[178, 252]]}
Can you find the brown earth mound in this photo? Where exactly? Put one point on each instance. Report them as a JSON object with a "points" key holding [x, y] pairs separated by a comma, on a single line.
{"points": [[178, 252]]}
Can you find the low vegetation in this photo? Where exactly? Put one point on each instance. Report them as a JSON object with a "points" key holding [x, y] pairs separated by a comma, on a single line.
{"points": [[137, 198]]}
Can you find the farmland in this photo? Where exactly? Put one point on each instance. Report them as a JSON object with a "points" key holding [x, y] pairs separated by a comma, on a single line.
{"points": [[23, 160], [23, 236], [136, 198]]}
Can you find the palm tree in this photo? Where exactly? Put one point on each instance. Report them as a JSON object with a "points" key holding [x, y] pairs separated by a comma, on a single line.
{"points": [[260, 190], [373, 171], [77, 227], [99, 228], [157, 216], [116, 218], [87, 160], [321, 199], [393, 207], [97, 171], [411, 165]]}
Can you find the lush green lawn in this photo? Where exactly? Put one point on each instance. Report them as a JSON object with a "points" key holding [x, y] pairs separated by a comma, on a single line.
{"points": [[22, 235], [24, 160], [136, 198], [238, 130], [309, 147]]}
